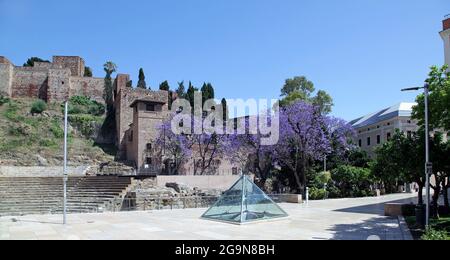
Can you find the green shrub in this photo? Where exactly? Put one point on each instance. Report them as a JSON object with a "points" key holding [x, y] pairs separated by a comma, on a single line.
{"points": [[316, 194], [56, 129], [320, 178], [333, 191], [3, 100], [38, 107], [84, 105], [432, 234], [11, 112], [84, 123], [20, 130], [73, 110], [96, 109], [47, 143], [353, 181]]}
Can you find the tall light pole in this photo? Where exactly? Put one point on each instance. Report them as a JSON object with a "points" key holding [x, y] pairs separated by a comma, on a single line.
{"points": [[428, 164], [66, 108]]}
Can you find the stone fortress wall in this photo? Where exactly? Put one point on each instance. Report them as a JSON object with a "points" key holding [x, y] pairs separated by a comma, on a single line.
{"points": [[53, 82]]}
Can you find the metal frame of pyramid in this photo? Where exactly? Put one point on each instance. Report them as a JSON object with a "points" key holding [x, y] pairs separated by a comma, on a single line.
{"points": [[244, 203]]}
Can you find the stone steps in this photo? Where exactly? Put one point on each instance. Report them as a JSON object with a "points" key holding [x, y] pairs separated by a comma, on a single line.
{"points": [[23, 196]]}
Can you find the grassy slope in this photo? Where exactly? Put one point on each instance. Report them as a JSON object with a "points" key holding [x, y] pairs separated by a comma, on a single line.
{"points": [[23, 137]]}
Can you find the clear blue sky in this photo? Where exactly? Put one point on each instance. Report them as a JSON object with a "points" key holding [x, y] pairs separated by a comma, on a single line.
{"points": [[361, 52]]}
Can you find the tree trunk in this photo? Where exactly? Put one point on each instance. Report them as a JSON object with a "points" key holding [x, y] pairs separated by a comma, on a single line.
{"points": [[435, 200], [420, 198], [445, 187], [299, 183], [446, 202]]}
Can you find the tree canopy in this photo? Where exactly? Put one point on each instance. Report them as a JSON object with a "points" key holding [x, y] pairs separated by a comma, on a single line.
{"points": [[439, 100], [109, 68], [30, 62], [87, 72], [301, 89], [164, 86]]}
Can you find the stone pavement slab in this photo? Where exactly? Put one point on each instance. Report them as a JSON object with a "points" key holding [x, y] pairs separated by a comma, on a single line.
{"points": [[342, 219]]}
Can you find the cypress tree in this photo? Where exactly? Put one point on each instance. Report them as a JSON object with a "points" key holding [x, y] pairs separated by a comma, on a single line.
{"points": [[190, 94], [141, 83], [225, 109], [164, 86], [181, 90]]}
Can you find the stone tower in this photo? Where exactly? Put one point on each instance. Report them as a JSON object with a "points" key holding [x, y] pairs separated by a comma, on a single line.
{"points": [[445, 34]]}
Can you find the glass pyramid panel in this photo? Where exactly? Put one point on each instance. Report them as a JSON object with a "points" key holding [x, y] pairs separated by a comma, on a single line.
{"points": [[244, 202]]}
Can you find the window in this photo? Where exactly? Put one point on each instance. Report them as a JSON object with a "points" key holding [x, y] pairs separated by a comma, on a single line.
{"points": [[388, 124], [368, 141], [62, 82], [235, 171], [368, 129], [378, 127], [378, 139], [360, 143], [148, 161], [149, 147], [150, 107], [389, 136]]}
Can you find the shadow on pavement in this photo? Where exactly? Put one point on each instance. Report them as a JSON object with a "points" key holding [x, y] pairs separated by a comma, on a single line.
{"points": [[377, 208], [377, 228]]}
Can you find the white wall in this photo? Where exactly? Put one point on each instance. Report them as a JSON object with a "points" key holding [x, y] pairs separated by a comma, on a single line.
{"points": [[446, 37], [201, 182], [13, 171]]}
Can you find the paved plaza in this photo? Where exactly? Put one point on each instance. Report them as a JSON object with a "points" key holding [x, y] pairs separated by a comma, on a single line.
{"points": [[348, 219]]}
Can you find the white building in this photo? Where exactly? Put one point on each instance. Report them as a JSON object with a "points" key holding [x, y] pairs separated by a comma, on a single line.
{"points": [[377, 128], [445, 34]]}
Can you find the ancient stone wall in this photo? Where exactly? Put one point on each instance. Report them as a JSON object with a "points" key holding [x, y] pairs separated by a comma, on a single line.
{"points": [[75, 64], [147, 132], [6, 76], [29, 82], [4, 60], [58, 85], [89, 87]]}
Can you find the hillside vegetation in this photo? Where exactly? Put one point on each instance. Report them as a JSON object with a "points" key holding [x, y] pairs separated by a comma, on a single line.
{"points": [[31, 132]]}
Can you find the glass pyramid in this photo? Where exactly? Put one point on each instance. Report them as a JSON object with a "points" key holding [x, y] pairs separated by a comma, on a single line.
{"points": [[244, 203]]}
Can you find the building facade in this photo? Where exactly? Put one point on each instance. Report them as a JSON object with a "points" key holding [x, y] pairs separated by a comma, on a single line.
{"points": [[445, 34], [377, 128]]}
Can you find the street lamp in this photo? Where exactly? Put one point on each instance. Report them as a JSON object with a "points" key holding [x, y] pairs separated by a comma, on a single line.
{"points": [[428, 164], [65, 177]]}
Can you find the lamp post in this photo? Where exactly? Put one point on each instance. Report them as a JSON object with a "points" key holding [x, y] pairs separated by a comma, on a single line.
{"points": [[66, 108], [428, 164]]}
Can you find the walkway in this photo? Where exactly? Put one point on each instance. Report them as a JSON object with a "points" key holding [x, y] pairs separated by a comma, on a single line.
{"points": [[347, 219]]}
